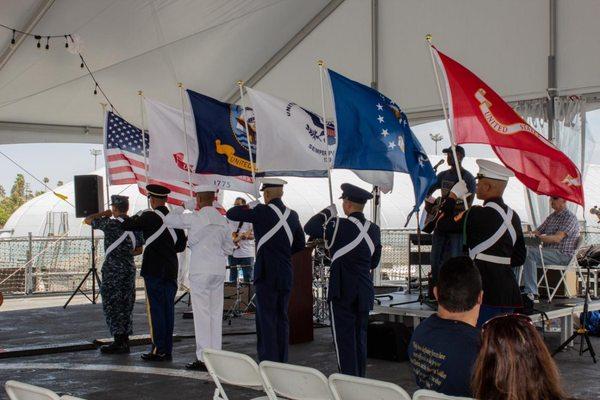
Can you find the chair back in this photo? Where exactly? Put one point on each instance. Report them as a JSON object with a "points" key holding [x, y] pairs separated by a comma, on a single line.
{"points": [[424, 394], [24, 391], [294, 382], [346, 387], [232, 368]]}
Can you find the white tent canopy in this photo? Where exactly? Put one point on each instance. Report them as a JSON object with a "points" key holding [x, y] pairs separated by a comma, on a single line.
{"points": [[208, 45]]}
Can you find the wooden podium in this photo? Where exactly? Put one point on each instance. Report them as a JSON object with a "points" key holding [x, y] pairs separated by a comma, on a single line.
{"points": [[300, 310]]}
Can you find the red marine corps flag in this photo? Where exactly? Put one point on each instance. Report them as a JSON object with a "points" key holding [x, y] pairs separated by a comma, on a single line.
{"points": [[479, 115]]}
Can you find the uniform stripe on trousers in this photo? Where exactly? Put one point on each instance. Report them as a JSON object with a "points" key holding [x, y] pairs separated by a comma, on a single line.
{"points": [[332, 320]]}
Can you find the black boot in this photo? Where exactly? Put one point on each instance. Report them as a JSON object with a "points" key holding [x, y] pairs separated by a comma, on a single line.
{"points": [[119, 346]]}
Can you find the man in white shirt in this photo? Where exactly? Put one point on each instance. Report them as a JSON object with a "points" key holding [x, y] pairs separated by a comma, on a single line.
{"points": [[243, 255], [209, 238]]}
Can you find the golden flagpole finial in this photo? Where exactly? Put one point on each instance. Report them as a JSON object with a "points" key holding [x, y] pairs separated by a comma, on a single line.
{"points": [[140, 93], [321, 63], [179, 84], [428, 37], [240, 83]]}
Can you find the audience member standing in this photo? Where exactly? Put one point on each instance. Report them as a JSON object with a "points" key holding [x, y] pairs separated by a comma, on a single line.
{"points": [[444, 347], [243, 254], [514, 363]]}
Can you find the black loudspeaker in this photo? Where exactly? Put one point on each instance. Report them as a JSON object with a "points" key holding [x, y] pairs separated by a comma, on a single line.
{"points": [[89, 197]]}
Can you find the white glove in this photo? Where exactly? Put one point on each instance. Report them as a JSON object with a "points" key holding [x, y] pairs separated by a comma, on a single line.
{"points": [[253, 204], [332, 211], [190, 204], [460, 189]]}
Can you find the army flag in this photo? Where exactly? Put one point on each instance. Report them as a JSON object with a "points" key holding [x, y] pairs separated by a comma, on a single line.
{"points": [[169, 157], [374, 134]]}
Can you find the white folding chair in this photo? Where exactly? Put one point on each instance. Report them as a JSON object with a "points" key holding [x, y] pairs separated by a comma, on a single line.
{"points": [[232, 368], [424, 394], [24, 391], [294, 382], [562, 269], [346, 387], [68, 397]]}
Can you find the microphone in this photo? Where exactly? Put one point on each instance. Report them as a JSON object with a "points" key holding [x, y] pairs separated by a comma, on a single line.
{"points": [[435, 167]]}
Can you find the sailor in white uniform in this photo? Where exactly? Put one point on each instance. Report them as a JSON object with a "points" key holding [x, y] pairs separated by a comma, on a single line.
{"points": [[209, 238]]}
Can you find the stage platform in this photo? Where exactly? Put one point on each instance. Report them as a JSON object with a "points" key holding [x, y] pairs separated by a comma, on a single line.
{"points": [[40, 320], [401, 305]]}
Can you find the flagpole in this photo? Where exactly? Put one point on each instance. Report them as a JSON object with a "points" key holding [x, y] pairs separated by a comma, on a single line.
{"points": [[446, 118], [241, 86], [141, 94], [321, 63], [103, 105], [185, 140]]}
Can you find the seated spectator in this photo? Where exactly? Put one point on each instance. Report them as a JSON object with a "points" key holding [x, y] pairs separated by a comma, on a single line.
{"points": [[514, 363], [444, 347], [559, 233]]}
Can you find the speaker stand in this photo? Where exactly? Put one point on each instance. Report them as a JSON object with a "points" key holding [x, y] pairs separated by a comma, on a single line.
{"points": [[93, 271]]}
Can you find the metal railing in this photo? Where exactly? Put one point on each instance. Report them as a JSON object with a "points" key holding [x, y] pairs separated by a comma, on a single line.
{"points": [[57, 264], [46, 264]]}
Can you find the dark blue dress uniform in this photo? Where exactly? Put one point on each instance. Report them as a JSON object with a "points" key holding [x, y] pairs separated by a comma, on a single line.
{"points": [[355, 249], [272, 272], [159, 270]]}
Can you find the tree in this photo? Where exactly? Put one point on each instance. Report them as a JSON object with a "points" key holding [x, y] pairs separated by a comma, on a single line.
{"points": [[9, 204], [2, 192], [59, 183]]}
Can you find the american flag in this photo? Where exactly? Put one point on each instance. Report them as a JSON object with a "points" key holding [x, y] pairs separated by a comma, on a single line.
{"points": [[124, 152]]}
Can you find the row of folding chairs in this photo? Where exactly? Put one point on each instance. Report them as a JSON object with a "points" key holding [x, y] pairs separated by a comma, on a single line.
{"points": [[294, 382], [24, 391]]}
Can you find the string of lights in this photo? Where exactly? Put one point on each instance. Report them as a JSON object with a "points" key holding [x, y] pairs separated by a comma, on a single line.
{"points": [[69, 41]]}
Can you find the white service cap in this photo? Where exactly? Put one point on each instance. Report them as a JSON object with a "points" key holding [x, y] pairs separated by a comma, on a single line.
{"points": [[271, 182], [491, 170], [206, 187]]}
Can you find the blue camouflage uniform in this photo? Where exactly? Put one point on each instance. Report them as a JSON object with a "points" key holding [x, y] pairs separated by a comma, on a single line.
{"points": [[272, 273], [355, 249], [118, 274]]}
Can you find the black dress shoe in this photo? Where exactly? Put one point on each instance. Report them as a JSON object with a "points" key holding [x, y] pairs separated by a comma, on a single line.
{"points": [[156, 357], [196, 366]]}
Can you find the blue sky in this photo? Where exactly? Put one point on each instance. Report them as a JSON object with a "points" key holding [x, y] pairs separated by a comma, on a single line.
{"points": [[60, 161]]}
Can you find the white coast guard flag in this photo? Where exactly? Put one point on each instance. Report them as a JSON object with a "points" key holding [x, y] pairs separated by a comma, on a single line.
{"points": [[167, 154], [291, 141]]}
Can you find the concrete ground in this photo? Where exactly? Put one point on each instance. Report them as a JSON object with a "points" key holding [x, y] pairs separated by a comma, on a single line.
{"points": [[91, 375]]}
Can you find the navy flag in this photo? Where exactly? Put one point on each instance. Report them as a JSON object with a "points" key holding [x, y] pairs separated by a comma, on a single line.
{"points": [[222, 140]]}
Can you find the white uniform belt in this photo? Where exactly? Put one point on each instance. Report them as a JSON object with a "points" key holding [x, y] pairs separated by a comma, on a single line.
{"points": [[282, 223], [160, 230], [363, 234], [120, 240], [492, 240], [493, 259]]}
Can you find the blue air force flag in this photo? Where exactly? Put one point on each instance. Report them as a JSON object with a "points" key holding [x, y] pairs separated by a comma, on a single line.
{"points": [[223, 146], [373, 134]]}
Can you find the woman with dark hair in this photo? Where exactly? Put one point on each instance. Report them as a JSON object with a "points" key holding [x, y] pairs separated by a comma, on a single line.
{"points": [[514, 363]]}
